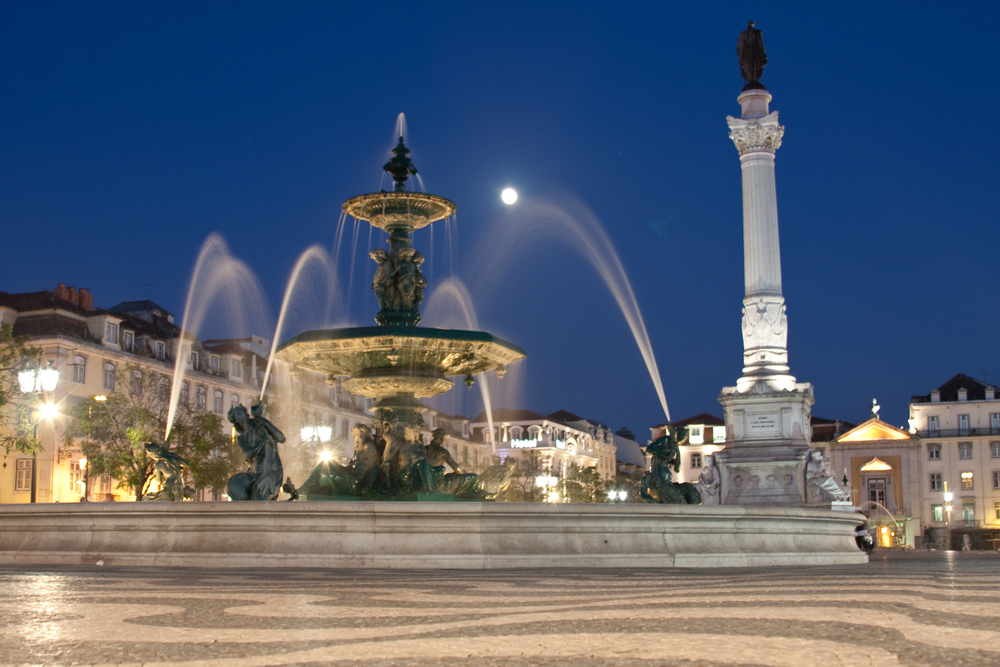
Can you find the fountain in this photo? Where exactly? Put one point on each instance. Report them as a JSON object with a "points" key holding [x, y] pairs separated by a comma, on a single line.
{"points": [[396, 363]]}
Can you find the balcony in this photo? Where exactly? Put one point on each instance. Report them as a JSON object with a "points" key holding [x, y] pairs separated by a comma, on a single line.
{"points": [[945, 433]]}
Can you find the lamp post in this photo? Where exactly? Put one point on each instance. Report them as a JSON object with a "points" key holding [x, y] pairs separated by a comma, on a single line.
{"points": [[34, 381]]}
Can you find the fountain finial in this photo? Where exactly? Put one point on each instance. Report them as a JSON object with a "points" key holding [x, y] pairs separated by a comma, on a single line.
{"points": [[400, 166]]}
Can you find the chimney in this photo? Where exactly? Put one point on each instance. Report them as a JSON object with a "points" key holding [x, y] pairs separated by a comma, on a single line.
{"points": [[73, 297], [60, 292], [86, 300]]}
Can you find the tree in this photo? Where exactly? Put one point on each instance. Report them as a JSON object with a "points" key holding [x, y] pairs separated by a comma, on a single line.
{"points": [[111, 434], [523, 487], [16, 433], [627, 484], [583, 485]]}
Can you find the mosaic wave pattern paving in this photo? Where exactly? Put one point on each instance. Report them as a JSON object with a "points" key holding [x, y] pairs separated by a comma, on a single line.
{"points": [[907, 609]]}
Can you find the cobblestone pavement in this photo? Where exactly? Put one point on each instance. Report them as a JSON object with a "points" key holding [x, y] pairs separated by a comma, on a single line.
{"points": [[926, 608]]}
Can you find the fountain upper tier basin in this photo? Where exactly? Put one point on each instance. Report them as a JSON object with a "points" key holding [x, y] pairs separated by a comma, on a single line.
{"points": [[381, 361], [399, 210]]}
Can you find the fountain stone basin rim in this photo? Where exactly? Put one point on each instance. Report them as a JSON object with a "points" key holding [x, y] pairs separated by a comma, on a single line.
{"points": [[399, 210], [379, 361]]}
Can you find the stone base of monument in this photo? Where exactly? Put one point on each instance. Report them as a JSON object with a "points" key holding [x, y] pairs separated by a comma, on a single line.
{"points": [[466, 535]]}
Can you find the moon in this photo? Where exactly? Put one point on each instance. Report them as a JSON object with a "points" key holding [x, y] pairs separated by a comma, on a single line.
{"points": [[509, 196]]}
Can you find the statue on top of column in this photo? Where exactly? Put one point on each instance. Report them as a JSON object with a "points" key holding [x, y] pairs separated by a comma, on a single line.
{"points": [[750, 52]]}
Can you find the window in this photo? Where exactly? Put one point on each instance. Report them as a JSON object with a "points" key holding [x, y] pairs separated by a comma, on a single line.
{"points": [[103, 484], [937, 513], [235, 369], [968, 511], [932, 426], [345, 428], [128, 340], [965, 450], [75, 477], [160, 350], [465, 429], [109, 377], [935, 481], [217, 403], [184, 393], [996, 479], [718, 434], [163, 387], [996, 509], [22, 478], [933, 452], [213, 364], [200, 397], [696, 460], [966, 480], [995, 423], [136, 385], [963, 424], [876, 490], [995, 450], [696, 435], [193, 361], [79, 370], [110, 333]]}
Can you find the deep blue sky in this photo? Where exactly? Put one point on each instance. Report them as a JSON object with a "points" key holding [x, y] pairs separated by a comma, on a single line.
{"points": [[129, 132]]}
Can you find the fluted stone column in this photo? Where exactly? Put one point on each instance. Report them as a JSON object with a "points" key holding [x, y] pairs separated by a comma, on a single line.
{"points": [[767, 413], [757, 135]]}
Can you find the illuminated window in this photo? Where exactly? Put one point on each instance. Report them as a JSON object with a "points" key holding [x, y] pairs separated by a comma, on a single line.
{"points": [[876, 490], [75, 477], [696, 435], [968, 512], [935, 481], [128, 340], [696, 460], [934, 452], [719, 434], [965, 450], [80, 370], [937, 513], [22, 477], [109, 377], [110, 333], [966, 480], [932, 426], [996, 509]]}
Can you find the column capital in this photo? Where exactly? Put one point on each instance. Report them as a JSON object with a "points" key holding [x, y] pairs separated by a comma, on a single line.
{"points": [[759, 135]]}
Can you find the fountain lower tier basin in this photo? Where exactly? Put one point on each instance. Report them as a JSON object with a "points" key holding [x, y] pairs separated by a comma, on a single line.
{"points": [[424, 535], [379, 361]]}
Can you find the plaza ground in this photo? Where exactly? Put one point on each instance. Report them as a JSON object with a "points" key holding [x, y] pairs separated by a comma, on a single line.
{"points": [[909, 608]]}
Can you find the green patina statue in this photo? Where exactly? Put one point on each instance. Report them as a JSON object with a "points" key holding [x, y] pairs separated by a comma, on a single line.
{"points": [[169, 472], [657, 484], [258, 438]]}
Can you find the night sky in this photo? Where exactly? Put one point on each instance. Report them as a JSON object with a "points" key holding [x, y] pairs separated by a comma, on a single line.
{"points": [[130, 132]]}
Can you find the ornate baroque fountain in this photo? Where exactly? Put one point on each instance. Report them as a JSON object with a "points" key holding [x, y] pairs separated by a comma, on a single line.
{"points": [[397, 362]]}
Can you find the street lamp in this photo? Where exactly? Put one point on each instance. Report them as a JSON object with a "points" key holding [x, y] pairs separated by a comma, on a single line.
{"points": [[33, 381]]}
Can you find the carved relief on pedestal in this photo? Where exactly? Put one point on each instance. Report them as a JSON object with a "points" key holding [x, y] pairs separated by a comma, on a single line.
{"points": [[764, 322], [763, 134]]}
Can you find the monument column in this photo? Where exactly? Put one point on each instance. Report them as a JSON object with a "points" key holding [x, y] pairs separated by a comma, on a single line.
{"points": [[767, 412]]}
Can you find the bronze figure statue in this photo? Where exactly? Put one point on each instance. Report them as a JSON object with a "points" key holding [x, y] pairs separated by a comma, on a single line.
{"points": [[258, 438], [750, 52], [496, 479], [169, 472], [436, 452], [657, 484]]}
